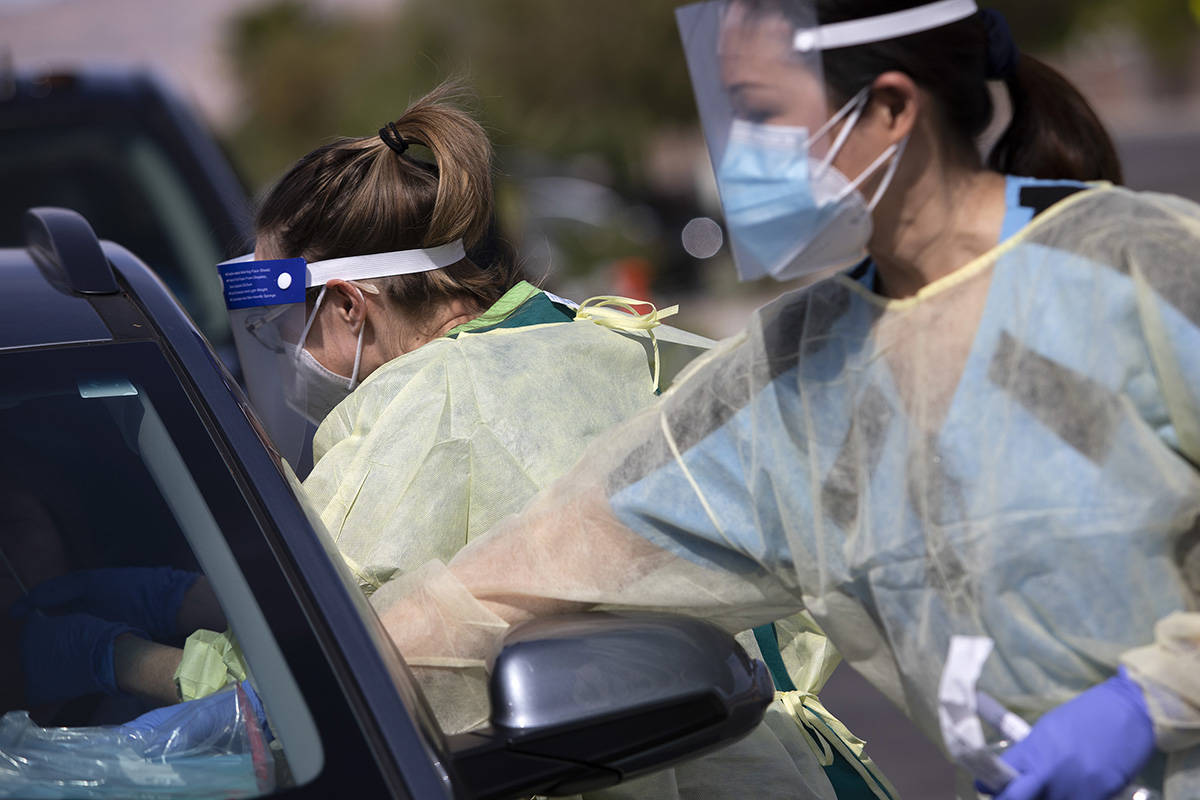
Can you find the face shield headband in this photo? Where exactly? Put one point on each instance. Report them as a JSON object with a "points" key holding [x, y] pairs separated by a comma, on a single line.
{"points": [[288, 388], [895, 25], [251, 283], [351, 268]]}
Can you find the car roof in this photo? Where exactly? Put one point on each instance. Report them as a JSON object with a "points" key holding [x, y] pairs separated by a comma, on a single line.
{"points": [[79, 89], [37, 309], [132, 97]]}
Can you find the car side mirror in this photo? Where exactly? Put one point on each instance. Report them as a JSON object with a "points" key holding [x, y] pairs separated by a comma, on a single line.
{"points": [[583, 701]]}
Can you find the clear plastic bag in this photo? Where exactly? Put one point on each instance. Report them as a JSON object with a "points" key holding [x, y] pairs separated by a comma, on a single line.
{"points": [[213, 747]]}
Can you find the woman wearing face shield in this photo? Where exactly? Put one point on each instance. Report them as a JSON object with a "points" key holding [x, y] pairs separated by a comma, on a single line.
{"points": [[985, 425]]}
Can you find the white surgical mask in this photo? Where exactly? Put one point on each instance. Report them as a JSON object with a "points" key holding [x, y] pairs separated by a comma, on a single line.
{"points": [[790, 214], [316, 389]]}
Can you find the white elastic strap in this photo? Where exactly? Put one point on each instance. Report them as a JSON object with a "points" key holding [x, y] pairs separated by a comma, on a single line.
{"points": [[841, 114], [383, 265], [855, 109], [887, 176], [357, 354], [311, 319], [894, 150], [885, 26], [358, 348]]}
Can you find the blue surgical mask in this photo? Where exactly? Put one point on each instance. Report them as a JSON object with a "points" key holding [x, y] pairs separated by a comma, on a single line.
{"points": [[790, 214]]}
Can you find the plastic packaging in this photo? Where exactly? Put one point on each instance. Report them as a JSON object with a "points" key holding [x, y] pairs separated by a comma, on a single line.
{"points": [[184, 754]]}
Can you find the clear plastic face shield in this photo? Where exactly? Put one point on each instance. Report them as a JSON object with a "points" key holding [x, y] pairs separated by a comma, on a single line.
{"points": [[290, 389], [773, 132]]}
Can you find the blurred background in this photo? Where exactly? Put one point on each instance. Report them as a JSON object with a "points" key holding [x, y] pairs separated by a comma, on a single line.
{"points": [[602, 167], [605, 185]]}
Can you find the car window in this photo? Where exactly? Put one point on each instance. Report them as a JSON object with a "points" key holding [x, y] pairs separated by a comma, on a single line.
{"points": [[123, 182], [402, 681], [106, 465]]}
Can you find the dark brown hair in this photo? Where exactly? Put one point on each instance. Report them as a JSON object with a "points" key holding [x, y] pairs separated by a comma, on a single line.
{"points": [[1054, 133], [1071, 142], [358, 196]]}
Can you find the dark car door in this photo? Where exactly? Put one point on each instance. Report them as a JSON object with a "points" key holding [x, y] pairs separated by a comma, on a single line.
{"points": [[115, 459]]}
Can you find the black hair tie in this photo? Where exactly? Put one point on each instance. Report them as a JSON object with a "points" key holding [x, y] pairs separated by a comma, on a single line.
{"points": [[1002, 52], [392, 138]]}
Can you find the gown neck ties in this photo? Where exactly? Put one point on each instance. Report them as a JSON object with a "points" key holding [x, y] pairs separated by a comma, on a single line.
{"points": [[621, 314]]}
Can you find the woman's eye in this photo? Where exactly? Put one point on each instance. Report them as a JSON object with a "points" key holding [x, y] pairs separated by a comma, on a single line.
{"points": [[757, 116]]}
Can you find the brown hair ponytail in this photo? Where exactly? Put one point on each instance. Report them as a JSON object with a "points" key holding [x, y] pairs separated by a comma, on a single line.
{"points": [[1054, 132], [462, 153], [357, 196]]}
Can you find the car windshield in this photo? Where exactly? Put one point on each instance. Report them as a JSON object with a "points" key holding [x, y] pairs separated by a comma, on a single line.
{"points": [[131, 192], [108, 467]]}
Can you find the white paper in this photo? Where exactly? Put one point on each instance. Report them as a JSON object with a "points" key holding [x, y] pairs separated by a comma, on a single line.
{"points": [[958, 714]]}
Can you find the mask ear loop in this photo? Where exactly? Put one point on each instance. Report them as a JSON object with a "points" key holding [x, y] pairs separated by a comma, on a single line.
{"points": [[362, 329], [358, 355], [370, 288], [891, 173], [853, 110], [894, 152], [311, 319]]}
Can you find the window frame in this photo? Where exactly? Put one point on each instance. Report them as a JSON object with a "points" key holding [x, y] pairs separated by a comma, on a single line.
{"points": [[408, 747]]}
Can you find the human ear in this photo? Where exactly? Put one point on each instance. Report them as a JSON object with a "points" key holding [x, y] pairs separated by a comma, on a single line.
{"points": [[347, 301], [894, 106]]}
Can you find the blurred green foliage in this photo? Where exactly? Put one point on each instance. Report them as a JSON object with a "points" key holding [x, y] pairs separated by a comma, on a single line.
{"points": [[559, 84], [552, 80], [557, 78], [553, 77]]}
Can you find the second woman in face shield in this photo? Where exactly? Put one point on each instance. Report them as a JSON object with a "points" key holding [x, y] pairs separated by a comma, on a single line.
{"points": [[986, 425], [460, 393], [446, 389]]}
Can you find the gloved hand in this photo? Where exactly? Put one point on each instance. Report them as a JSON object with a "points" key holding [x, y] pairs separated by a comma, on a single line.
{"points": [[148, 598], [1089, 748], [68, 656], [210, 722]]}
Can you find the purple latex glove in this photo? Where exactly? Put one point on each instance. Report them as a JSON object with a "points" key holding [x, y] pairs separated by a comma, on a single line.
{"points": [[148, 598], [68, 656], [1089, 748], [209, 723]]}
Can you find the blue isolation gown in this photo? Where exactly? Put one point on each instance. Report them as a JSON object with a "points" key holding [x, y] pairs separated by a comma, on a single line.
{"points": [[1031, 480]]}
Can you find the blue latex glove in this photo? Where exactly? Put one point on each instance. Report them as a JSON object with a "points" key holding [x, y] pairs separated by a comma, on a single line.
{"points": [[148, 598], [1089, 748], [209, 723], [68, 656]]}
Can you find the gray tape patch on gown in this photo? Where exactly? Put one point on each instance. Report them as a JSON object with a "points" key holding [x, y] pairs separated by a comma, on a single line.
{"points": [[1080, 411], [841, 490]]}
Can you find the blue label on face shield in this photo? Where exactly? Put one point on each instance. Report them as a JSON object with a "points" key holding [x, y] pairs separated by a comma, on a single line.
{"points": [[248, 284]]}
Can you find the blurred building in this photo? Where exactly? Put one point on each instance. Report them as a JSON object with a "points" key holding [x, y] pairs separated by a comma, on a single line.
{"points": [[1154, 114], [181, 41]]}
